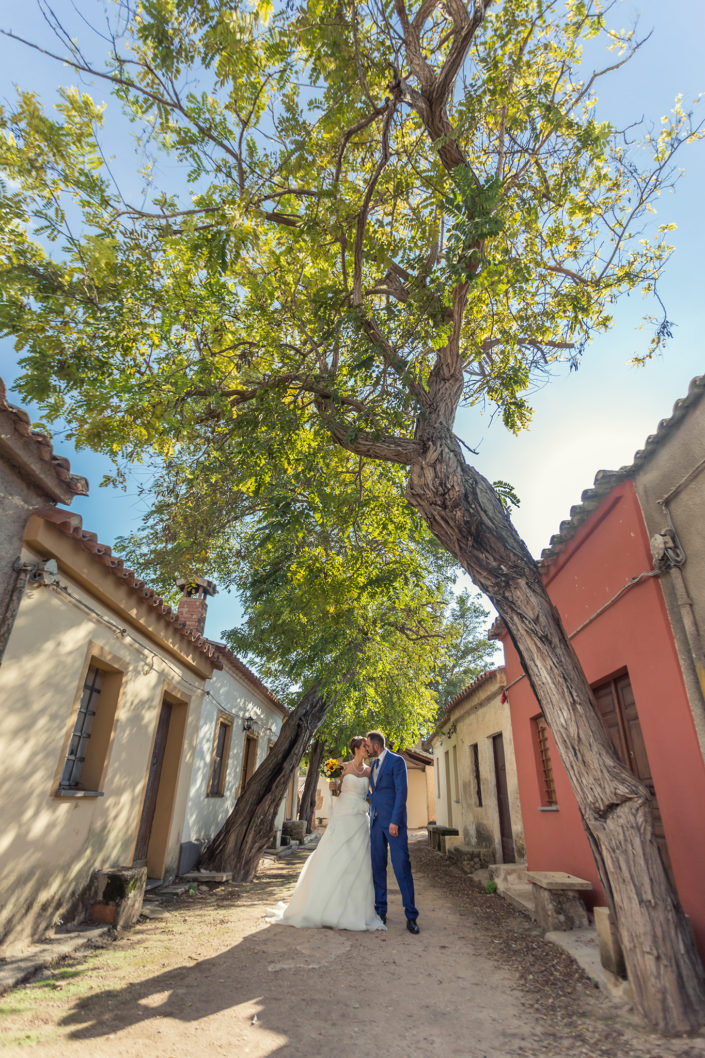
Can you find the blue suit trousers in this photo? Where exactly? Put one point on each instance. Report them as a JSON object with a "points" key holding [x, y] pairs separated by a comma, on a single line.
{"points": [[381, 840]]}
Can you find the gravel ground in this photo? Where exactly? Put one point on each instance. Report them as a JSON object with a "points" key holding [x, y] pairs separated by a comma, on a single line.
{"points": [[210, 976], [580, 1020]]}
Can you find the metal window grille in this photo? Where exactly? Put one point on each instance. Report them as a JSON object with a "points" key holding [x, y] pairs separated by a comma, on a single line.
{"points": [[549, 789], [218, 759], [476, 770], [71, 775]]}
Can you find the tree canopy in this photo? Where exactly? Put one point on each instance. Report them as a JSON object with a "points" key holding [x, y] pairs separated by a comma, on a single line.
{"points": [[341, 582], [358, 187]]}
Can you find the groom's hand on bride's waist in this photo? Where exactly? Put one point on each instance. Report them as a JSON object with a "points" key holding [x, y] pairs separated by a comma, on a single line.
{"points": [[393, 830]]}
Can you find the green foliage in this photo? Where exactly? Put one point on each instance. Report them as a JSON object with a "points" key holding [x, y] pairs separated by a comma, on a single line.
{"points": [[317, 232], [507, 494], [467, 652], [340, 581]]}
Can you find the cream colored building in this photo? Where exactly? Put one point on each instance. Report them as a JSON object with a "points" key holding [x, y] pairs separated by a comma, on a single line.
{"points": [[420, 796], [101, 693], [475, 773]]}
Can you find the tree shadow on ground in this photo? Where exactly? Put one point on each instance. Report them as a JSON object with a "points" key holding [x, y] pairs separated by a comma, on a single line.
{"points": [[258, 976]]}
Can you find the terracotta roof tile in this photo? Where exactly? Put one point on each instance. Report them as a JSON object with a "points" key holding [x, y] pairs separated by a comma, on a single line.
{"points": [[249, 675], [607, 480], [484, 677], [71, 524], [42, 447]]}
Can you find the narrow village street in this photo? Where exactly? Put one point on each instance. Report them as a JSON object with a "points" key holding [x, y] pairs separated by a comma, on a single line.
{"points": [[207, 975]]}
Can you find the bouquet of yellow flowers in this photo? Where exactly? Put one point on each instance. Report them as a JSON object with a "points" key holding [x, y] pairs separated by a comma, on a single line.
{"points": [[332, 770]]}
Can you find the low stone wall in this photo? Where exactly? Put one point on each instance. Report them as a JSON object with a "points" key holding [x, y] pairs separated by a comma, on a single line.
{"points": [[294, 829], [470, 859]]}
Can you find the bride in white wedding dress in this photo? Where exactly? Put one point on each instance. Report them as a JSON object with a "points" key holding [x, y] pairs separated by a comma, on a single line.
{"points": [[335, 886]]}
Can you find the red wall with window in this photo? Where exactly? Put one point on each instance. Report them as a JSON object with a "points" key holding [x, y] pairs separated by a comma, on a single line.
{"points": [[627, 647]]}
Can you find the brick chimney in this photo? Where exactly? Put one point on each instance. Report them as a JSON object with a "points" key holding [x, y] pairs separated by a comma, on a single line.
{"points": [[193, 603]]}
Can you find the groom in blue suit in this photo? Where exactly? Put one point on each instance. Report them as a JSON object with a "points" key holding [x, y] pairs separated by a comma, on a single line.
{"points": [[388, 828]]}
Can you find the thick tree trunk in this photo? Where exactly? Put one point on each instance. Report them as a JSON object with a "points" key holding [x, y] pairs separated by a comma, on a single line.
{"points": [[240, 842], [462, 510], [308, 797]]}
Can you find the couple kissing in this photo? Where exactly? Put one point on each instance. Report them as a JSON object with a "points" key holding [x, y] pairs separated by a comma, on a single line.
{"points": [[343, 884]]}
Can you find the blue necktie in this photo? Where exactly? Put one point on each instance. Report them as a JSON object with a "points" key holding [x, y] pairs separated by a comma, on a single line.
{"points": [[373, 776]]}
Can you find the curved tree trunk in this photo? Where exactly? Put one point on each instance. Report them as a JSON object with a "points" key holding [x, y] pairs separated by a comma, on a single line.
{"points": [[308, 797], [463, 511], [242, 839]]}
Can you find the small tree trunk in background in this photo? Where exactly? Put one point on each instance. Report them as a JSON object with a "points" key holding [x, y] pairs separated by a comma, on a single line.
{"points": [[464, 513], [308, 797], [244, 836]]}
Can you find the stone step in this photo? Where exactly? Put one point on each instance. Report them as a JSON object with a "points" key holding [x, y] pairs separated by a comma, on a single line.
{"points": [[509, 874], [172, 891], [521, 897], [207, 876]]}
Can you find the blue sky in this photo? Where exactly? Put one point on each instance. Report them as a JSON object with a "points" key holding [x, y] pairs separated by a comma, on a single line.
{"points": [[595, 418]]}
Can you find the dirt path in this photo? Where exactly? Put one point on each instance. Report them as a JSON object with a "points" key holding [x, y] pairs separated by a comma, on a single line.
{"points": [[211, 977]]}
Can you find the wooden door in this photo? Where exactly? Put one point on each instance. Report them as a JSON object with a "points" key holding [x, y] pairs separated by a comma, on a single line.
{"points": [[249, 760], [449, 796], [617, 708], [505, 819], [155, 772]]}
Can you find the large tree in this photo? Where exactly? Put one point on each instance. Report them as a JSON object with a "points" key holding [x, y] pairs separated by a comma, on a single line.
{"points": [[384, 211], [345, 596]]}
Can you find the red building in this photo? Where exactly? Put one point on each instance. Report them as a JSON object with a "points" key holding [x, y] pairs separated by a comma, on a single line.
{"points": [[600, 574]]}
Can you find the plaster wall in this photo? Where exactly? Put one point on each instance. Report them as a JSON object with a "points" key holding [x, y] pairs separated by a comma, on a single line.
{"points": [[416, 799], [231, 696], [633, 635], [51, 843], [430, 779], [671, 489]]}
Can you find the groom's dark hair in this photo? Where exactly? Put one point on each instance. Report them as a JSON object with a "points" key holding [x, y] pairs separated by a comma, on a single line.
{"points": [[377, 737]]}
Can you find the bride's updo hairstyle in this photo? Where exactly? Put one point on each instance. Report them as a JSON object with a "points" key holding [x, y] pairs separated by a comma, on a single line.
{"points": [[355, 742]]}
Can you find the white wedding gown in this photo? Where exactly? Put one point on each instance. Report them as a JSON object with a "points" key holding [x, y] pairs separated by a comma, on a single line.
{"points": [[335, 886]]}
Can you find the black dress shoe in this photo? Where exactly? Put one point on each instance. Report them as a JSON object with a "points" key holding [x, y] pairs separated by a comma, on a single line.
{"points": [[412, 925], [384, 918]]}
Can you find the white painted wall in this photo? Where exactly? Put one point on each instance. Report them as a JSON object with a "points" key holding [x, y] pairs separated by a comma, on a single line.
{"points": [[230, 693]]}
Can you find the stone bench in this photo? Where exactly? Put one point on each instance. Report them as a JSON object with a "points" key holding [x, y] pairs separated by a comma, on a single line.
{"points": [[436, 834], [557, 904]]}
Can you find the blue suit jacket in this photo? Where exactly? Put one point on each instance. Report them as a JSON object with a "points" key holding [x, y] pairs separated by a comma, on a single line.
{"points": [[388, 798]]}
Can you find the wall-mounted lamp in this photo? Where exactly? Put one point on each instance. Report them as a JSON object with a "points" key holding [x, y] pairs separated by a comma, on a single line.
{"points": [[248, 723]]}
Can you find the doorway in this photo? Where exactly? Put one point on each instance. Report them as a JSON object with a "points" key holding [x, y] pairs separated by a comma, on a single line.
{"points": [[617, 708], [449, 796], [505, 819], [151, 845]]}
